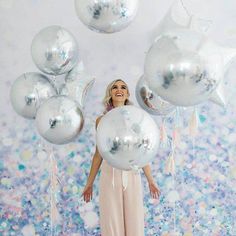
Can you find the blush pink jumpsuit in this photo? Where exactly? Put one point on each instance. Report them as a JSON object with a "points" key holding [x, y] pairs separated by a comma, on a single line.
{"points": [[121, 202]]}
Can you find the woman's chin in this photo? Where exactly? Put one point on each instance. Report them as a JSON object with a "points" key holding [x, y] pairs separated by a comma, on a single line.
{"points": [[119, 99]]}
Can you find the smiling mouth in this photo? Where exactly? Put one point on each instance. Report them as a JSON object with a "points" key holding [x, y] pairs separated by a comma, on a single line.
{"points": [[119, 95]]}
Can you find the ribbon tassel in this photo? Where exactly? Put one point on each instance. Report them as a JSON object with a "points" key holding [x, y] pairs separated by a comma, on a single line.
{"points": [[176, 137], [55, 215], [194, 123], [163, 135], [170, 165]]}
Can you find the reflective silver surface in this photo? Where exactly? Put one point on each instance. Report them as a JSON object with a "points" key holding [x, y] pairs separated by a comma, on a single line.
{"points": [[29, 91], [184, 67], [106, 16], [127, 137], [59, 120], [150, 101], [54, 50]]}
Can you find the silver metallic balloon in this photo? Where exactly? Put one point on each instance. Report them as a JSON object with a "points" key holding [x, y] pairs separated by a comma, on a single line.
{"points": [[54, 50], [150, 101], [78, 85], [127, 137], [59, 120], [29, 91], [107, 16], [184, 67]]}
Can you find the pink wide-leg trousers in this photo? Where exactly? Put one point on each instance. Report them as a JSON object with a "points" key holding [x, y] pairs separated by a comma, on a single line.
{"points": [[121, 202]]}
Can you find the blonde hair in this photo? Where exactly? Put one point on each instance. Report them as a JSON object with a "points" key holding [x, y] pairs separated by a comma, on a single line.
{"points": [[107, 101]]}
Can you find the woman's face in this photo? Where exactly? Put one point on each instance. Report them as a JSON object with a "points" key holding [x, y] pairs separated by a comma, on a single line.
{"points": [[119, 92]]}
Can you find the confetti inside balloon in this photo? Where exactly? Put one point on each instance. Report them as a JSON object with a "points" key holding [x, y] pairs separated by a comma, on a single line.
{"points": [[54, 50], [106, 16], [29, 91], [127, 137]]}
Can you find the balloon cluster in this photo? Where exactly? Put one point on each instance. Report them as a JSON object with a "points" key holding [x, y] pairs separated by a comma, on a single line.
{"points": [[58, 111], [183, 68]]}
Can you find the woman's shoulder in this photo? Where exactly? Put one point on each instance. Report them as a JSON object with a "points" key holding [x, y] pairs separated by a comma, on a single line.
{"points": [[98, 120]]}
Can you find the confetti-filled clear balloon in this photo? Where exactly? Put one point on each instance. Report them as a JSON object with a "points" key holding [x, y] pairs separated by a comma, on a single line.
{"points": [[29, 91], [106, 16], [54, 50], [184, 67], [150, 101], [78, 85], [59, 120], [127, 137]]}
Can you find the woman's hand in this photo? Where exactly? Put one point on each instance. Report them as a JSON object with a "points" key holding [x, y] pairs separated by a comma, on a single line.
{"points": [[88, 193], [154, 190]]}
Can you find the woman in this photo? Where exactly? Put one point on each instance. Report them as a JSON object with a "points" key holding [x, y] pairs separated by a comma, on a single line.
{"points": [[120, 192]]}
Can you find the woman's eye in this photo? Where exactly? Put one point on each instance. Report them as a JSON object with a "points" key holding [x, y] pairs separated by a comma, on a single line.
{"points": [[114, 87], [123, 87]]}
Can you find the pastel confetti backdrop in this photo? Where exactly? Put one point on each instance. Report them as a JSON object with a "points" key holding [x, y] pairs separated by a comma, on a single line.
{"points": [[199, 200]]}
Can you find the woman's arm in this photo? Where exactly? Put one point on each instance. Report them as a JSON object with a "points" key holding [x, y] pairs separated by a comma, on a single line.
{"points": [[96, 163], [154, 190], [148, 173]]}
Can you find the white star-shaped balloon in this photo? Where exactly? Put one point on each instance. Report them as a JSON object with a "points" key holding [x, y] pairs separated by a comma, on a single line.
{"points": [[78, 84]]}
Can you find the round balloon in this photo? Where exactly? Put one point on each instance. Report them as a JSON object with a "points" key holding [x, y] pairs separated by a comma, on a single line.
{"points": [[127, 137], [106, 16], [150, 101], [29, 91], [59, 120], [184, 67], [54, 50]]}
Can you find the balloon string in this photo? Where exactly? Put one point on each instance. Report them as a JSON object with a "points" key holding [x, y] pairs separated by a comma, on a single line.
{"points": [[174, 208], [194, 155], [170, 165], [53, 184], [52, 170], [51, 193], [175, 143]]}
